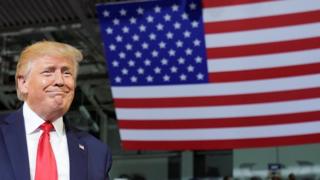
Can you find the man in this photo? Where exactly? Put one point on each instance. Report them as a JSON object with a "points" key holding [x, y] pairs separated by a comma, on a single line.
{"points": [[35, 143]]}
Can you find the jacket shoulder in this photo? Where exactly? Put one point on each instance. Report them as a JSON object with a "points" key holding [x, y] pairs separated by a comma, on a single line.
{"points": [[10, 117]]}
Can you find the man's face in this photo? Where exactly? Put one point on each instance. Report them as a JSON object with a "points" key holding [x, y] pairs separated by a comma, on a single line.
{"points": [[49, 86]]}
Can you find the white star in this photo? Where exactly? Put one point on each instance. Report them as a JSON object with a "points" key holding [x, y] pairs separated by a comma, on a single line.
{"points": [[115, 63], [138, 54], [200, 76], [181, 60], [166, 78], [109, 30], [190, 68], [128, 47], [135, 37], [179, 43], [174, 7], [140, 70], [188, 52], [169, 35], [122, 55], [164, 61], [125, 29], [150, 19], [172, 52], [106, 13], [167, 17], [116, 21], [183, 77], [194, 24], [140, 10], [145, 45], [133, 20], [131, 63], [142, 28], [154, 53], [185, 16], [177, 25], [196, 42], [159, 27], [112, 47], [192, 6], [118, 79], [157, 9], [123, 12], [162, 45], [198, 59], [149, 78], [124, 71], [119, 38], [157, 70], [186, 34], [133, 79], [152, 36], [147, 62], [173, 69]]}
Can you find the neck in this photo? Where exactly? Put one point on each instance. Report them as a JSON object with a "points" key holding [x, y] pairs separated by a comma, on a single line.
{"points": [[47, 115]]}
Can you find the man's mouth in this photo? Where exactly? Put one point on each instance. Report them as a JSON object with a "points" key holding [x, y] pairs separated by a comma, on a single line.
{"points": [[57, 92]]}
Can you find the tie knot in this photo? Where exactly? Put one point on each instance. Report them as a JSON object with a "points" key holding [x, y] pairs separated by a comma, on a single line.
{"points": [[46, 127]]}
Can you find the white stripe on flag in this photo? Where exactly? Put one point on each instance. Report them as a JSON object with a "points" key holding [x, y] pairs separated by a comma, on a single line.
{"points": [[264, 61], [259, 10], [221, 133], [262, 36], [228, 111], [212, 89]]}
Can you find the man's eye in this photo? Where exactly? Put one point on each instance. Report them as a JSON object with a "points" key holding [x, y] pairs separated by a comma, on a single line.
{"points": [[67, 73], [46, 72]]}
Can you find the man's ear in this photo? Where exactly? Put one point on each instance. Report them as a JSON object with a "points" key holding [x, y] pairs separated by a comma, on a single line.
{"points": [[22, 84]]}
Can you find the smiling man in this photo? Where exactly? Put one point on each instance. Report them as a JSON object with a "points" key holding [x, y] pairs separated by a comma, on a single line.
{"points": [[35, 143]]}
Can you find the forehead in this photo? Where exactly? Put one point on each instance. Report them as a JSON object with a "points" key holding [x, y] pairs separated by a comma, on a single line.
{"points": [[50, 61]]}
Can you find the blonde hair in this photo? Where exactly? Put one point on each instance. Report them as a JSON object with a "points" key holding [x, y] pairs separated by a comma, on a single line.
{"points": [[41, 49]]}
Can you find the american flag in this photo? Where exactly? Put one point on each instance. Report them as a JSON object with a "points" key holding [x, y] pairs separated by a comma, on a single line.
{"points": [[213, 74]]}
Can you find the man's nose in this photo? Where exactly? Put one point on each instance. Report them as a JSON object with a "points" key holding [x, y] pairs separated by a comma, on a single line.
{"points": [[59, 79]]}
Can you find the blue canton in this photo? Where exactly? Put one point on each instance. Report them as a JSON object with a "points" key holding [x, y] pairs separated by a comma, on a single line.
{"points": [[154, 42]]}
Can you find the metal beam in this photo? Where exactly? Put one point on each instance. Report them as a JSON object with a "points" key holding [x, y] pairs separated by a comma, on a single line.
{"points": [[78, 7], [103, 121]]}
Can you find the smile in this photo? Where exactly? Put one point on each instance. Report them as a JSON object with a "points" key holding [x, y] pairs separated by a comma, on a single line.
{"points": [[57, 92]]}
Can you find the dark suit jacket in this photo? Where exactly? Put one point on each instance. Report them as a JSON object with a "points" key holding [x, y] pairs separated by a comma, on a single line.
{"points": [[90, 159]]}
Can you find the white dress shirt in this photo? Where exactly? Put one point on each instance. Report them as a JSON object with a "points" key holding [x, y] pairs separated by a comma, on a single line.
{"points": [[58, 141]]}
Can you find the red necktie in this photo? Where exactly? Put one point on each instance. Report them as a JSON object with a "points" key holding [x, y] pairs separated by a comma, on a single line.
{"points": [[46, 167]]}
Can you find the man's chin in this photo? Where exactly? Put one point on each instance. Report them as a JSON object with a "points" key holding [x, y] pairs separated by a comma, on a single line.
{"points": [[58, 99]]}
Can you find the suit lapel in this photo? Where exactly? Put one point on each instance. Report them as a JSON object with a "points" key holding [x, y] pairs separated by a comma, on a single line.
{"points": [[78, 157], [16, 144]]}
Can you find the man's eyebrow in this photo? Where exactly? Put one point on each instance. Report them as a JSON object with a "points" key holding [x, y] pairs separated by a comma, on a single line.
{"points": [[66, 68], [49, 67]]}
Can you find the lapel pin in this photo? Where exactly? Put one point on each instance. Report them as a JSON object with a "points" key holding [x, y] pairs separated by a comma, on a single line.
{"points": [[81, 146]]}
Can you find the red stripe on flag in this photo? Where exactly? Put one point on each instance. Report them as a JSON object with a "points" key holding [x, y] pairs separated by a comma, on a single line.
{"points": [[266, 73], [262, 22], [218, 3], [220, 123], [221, 144], [263, 48], [217, 100]]}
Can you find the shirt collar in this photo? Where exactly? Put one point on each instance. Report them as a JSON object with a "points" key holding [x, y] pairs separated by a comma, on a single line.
{"points": [[33, 121]]}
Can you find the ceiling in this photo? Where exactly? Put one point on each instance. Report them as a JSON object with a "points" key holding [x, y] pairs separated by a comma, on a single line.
{"points": [[20, 14], [72, 21]]}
